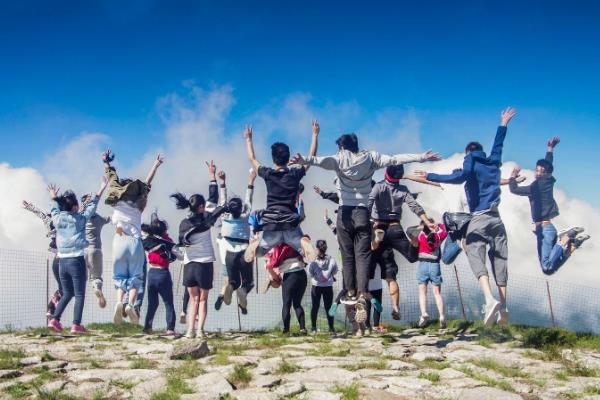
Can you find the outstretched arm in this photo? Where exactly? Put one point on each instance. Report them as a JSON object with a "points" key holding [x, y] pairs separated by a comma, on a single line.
{"points": [[157, 163], [249, 192], [103, 185], [422, 180], [250, 147], [513, 185], [213, 189], [505, 117], [384, 160], [39, 213]]}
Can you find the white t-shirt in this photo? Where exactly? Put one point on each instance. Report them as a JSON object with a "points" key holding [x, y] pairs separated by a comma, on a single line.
{"points": [[128, 218], [200, 249]]}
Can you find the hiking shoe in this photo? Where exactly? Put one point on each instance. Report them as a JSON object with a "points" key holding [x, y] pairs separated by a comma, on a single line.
{"points": [[361, 311], [147, 331], [133, 316], [423, 321], [244, 310], [348, 300], [502, 317], [313, 331], [55, 325], [242, 295], [250, 252], [118, 315], [308, 250], [578, 241], [100, 296], [571, 232], [377, 305], [332, 310], [183, 317], [396, 315], [490, 313], [443, 324], [218, 303], [227, 294], [78, 329]]}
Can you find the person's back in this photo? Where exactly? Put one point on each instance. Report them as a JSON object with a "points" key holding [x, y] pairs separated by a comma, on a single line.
{"points": [[282, 186], [482, 185]]}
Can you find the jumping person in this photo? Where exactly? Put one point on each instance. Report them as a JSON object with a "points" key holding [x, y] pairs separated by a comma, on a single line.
{"points": [[280, 220], [385, 208], [481, 176], [355, 169], [198, 270], [233, 241], [71, 242], [429, 270], [128, 198], [161, 252], [553, 248], [322, 273]]}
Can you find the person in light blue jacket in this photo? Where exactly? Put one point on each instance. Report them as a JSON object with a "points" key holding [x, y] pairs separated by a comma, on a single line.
{"points": [[71, 242]]}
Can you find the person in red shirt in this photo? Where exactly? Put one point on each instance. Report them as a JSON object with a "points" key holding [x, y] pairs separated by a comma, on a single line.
{"points": [[429, 271]]}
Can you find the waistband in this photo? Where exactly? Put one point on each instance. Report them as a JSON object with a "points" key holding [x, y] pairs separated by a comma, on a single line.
{"points": [[548, 222], [152, 266], [236, 240], [387, 221]]}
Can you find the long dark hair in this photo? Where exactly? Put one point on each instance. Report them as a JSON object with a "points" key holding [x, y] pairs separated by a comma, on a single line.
{"points": [[156, 226], [67, 201], [182, 202]]}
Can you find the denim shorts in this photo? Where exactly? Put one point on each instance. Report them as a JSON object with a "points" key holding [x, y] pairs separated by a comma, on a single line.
{"points": [[429, 272]]}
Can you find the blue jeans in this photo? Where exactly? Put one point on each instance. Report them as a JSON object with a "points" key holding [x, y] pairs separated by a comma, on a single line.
{"points": [[73, 278], [139, 299], [450, 251], [551, 254], [160, 283], [128, 262], [270, 239]]}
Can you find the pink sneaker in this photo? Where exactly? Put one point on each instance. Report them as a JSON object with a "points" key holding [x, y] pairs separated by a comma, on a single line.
{"points": [[171, 332], [77, 329], [55, 325]]}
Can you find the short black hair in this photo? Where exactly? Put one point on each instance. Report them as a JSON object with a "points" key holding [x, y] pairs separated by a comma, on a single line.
{"points": [[395, 171], [473, 146], [280, 152], [547, 165], [348, 141]]}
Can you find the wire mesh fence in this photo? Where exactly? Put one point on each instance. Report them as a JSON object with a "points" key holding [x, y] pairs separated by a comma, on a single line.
{"points": [[27, 282]]}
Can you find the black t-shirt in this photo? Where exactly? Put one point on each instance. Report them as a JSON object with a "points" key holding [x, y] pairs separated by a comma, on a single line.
{"points": [[282, 188]]}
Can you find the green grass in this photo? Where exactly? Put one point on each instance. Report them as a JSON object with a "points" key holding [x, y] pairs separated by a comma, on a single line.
{"points": [[124, 329], [592, 390], [123, 384], [348, 392], [188, 370], [561, 375], [433, 364], [501, 384], [434, 377], [17, 391], [513, 371], [11, 359], [380, 363], [327, 349], [97, 364], [240, 376], [286, 368], [142, 363], [53, 395]]}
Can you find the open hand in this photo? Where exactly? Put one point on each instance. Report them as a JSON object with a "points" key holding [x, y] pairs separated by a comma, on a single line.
{"points": [[27, 204], [53, 190], [507, 115], [421, 174], [108, 156], [315, 127], [431, 156], [516, 171], [248, 132], [553, 142], [221, 175], [317, 190], [520, 179], [297, 159]]}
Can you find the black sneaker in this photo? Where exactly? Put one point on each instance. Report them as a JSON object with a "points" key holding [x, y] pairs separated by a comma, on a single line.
{"points": [[244, 310], [137, 310], [219, 303], [570, 232], [303, 332], [578, 241], [396, 315]]}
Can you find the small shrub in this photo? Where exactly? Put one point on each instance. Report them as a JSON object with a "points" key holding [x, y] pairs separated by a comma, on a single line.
{"points": [[11, 359], [240, 376], [286, 368], [541, 338], [142, 363], [430, 376], [348, 392]]}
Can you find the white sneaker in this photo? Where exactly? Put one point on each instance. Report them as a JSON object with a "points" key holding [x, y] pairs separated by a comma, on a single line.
{"points": [[190, 334], [502, 317], [200, 334], [118, 315], [227, 294], [423, 321], [490, 313], [100, 296], [133, 317]]}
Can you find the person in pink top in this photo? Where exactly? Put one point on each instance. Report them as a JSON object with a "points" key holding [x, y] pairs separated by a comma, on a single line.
{"points": [[429, 271]]}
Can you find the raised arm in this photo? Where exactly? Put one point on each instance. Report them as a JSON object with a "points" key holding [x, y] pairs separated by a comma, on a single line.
{"points": [[157, 163], [213, 188], [222, 189], [53, 191], [250, 148], [90, 208], [550, 150], [103, 185], [505, 117], [314, 143], [513, 185]]}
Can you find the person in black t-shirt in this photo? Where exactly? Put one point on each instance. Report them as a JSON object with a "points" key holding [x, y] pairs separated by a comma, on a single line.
{"points": [[280, 219]]}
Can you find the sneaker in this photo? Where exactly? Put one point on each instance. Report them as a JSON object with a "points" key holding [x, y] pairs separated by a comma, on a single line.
{"points": [[242, 295], [380, 329], [359, 332], [200, 334], [423, 321], [118, 315], [55, 325], [244, 310], [313, 331], [578, 241], [250, 252], [332, 332], [502, 317], [361, 311], [332, 310], [138, 310], [571, 232], [78, 329], [303, 332], [396, 315], [490, 313], [183, 317], [308, 250], [443, 324], [377, 305], [133, 316], [171, 332], [100, 296], [348, 300], [227, 294], [190, 334], [379, 235], [147, 331], [218, 304], [413, 232]]}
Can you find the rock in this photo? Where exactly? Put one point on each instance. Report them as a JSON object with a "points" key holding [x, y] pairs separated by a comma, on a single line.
{"points": [[213, 385], [290, 389], [265, 381], [323, 376], [27, 361], [52, 365], [319, 395], [26, 378], [9, 373], [408, 382], [255, 394], [107, 375], [400, 365], [396, 352], [422, 356], [54, 386], [449, 373], [190, 349], [487, 393], [146, 389]]}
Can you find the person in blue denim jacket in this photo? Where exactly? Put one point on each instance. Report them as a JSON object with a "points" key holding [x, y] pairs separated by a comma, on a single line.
{"points": [[71, 242]]}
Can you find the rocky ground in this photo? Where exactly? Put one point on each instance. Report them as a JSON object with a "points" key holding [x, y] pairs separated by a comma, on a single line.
{"points": [[460, 363]]}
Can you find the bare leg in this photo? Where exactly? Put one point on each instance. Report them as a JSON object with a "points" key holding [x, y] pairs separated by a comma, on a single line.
{"points": [[394, 293], [132, 295], [439, 301], [502, 293], [423, 298], [193, 307], [120, 295], [202, 309], [484, 283]]}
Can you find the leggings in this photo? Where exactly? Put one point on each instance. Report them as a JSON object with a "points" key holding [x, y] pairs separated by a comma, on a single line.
{"points": [[316, 293], [292, 291], [160, 283], [376, 294]]}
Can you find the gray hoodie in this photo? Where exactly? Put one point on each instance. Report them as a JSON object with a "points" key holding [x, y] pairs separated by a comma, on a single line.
{"points": [[386, 199], [355, 172]]}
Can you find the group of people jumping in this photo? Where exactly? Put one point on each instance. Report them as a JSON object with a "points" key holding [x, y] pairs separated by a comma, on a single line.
{"points": [[368, 228]]}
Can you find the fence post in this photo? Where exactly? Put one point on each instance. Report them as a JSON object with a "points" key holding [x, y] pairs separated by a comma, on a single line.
{"points": [[238, 313], [47, 283], [460, 296], [550, 304], [256, 270]]}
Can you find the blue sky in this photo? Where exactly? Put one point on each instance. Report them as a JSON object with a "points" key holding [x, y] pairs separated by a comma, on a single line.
{"points": [[70, 67]]}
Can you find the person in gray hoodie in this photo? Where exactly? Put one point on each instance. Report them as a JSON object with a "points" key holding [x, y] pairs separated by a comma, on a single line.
{"points": [[322, 273], [355, 169]]}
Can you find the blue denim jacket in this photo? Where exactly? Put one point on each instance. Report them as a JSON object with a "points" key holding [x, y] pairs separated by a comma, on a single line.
{"points": [[70, 227]]}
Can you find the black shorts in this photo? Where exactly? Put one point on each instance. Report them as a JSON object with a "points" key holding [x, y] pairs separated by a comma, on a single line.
{"points": [[197, 274], [387, 263]]}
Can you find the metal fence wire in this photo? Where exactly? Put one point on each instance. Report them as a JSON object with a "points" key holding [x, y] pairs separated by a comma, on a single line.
{"points": [[26, 284]]}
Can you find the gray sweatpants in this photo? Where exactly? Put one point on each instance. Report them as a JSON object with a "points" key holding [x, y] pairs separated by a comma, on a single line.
{"points": [[94, 264], [488, 230]]}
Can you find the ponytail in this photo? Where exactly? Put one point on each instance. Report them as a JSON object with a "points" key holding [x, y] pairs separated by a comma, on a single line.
{"points": [[182, 202]]}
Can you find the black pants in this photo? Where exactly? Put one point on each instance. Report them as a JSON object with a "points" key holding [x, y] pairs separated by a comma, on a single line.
{"points": [[292, 291], [160, 283], [396, 239], [354, 238], [239, 272], [376, 294], [326, 292], [56, 273]]}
